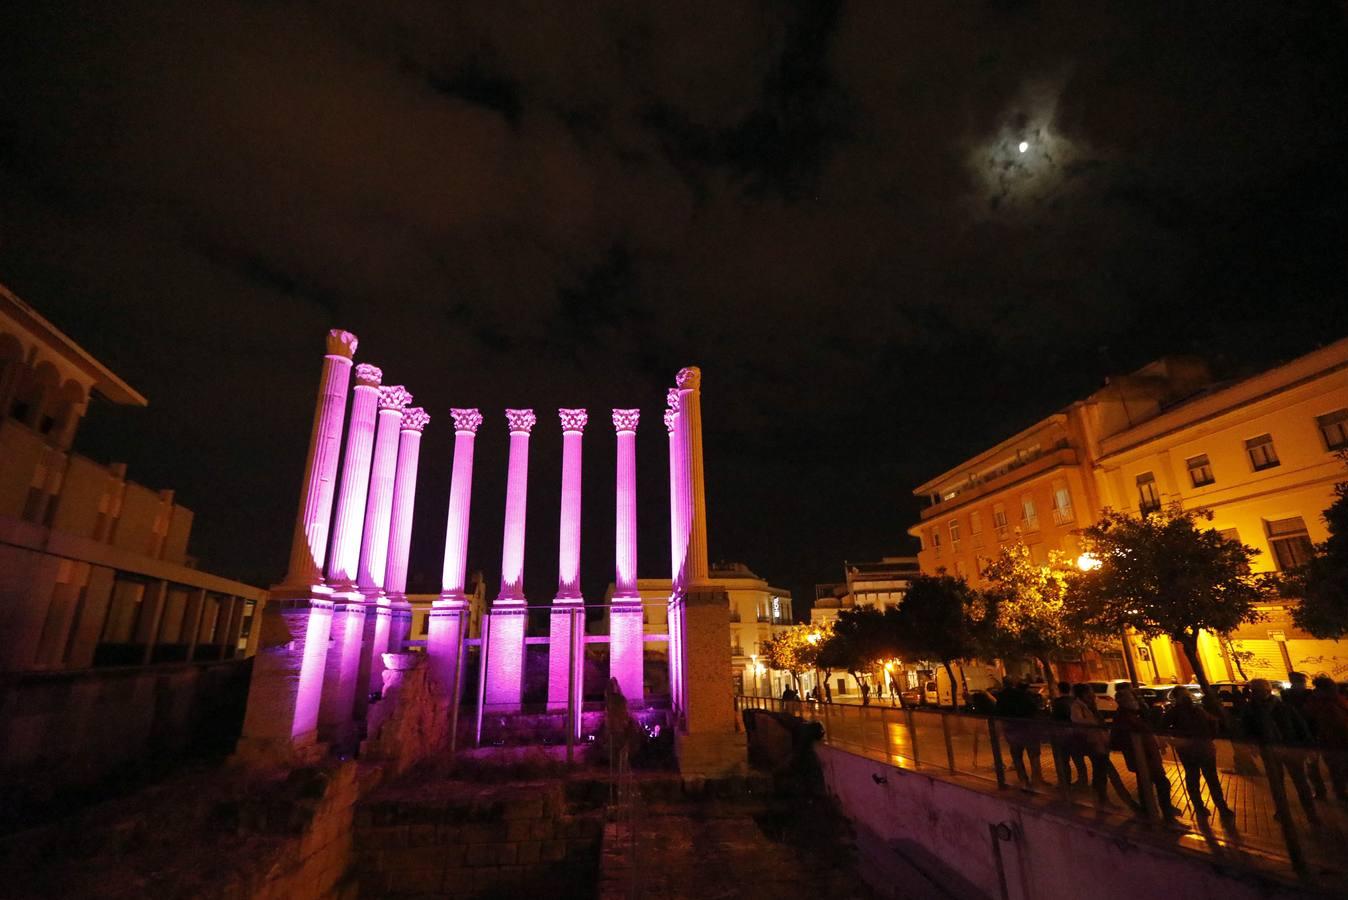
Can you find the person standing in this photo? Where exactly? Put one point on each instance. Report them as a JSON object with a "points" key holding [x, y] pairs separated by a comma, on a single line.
{"points": [[1326, 712], [1068, 748], [1296, 697], [1095, 740], [1283, 734], [1132, 733], [1017, 708], [1193, 729]]}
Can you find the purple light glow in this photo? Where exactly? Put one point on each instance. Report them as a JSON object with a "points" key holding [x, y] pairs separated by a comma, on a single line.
{"points": [[309, 687], [379, 506], [466, 422], [568, 546], [625, 583], [521, 421], [404, 499], [308, 548], [351, 497]]}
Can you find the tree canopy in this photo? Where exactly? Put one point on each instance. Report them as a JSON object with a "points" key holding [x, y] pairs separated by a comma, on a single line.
{"points": [[796, 649], [1165, 574], [1322, 584]]}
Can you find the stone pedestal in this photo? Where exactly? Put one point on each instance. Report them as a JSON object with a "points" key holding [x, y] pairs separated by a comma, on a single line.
{"points": [[446, 629], [560, 676], [626, 648], [505, 658], [708, 744], [280, 727], [336, 721]]}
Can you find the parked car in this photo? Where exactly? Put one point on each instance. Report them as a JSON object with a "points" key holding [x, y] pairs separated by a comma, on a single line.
{"points": [[911, 696], [930, 696], [1106, 695]]}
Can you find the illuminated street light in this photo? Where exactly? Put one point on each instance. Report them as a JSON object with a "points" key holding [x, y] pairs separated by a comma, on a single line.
{"points": [[813, 637], [1024, 145], [1088, 562]]}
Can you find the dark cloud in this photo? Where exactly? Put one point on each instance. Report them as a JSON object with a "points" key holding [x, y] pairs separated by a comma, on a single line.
{"points": [[823, 204]]}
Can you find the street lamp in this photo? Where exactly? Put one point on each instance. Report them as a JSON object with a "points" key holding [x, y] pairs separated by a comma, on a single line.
{"points": [[1088, 562]]}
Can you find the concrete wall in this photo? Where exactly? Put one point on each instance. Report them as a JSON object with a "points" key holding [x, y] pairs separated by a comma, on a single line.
{"points": [[920, 837], [68, 730]]}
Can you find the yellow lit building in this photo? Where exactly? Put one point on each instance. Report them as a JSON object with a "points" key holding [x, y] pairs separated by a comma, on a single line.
{"points": [[1260, 452]]}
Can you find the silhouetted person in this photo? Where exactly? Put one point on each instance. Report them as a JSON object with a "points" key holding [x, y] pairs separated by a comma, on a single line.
{"points": [[865, 694], [1096, 741], [1193, 729], [1284, 736], [1296, 697], [1130, 723], [1017, 708], [1068, 747], [1327, 713], [789, 695]]}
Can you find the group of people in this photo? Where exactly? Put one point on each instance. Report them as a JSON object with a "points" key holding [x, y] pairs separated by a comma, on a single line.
{"points": [[1298, 731]]}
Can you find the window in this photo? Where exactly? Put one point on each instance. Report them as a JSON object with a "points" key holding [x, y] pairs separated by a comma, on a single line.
{"points": [[1334, 429], [1029, 516], [975, 522], [1148, 497], [936, 540], [1290, 542], [999, 519], [1062, 504], [1262, 454], [961, 571], [1229, 534], [1200, 470], [842, 685], [955, 534]]}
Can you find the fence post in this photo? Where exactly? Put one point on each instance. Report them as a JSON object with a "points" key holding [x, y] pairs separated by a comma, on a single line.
{"points": [[1145, 787], [949, 744], [912, 738], [998, 766], [1273, 766], [485, 633]]}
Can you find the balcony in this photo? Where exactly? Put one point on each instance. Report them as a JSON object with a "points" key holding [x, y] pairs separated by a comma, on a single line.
{"points": [[1030, 524], [1045, 462], [734, 615], [1063, 515]]}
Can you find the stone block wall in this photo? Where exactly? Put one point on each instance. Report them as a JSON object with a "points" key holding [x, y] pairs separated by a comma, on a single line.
{"points": [[472, 840]]}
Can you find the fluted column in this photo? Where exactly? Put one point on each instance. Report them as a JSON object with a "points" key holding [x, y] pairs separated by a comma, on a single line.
{"points": [[281, 722], [448, 622], [673, 615], [308, 548], [400, 528], [348, 523], [373, 564], [560, 677], [689, 381], [505, 644], [625, 612]]}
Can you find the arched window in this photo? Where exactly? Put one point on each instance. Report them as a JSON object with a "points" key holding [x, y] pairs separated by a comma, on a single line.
{"points": [[11, 364], [35, 392], [63, 409]]}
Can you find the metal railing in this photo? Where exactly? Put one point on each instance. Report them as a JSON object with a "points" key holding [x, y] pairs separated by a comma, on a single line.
{"points": [[1218, 791]]}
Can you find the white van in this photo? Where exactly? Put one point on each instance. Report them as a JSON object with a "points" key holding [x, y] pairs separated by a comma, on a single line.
{"points": [[974, 676]]}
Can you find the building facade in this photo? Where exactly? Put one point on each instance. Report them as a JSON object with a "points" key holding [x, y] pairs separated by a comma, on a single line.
{"points": [[1260, 452], [94, 568]]}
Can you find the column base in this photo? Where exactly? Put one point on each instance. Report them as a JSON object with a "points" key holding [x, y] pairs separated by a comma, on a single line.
{"points": [[286, 687], [278, 753], [559, 651], [626, 649], [504, 658], [336, 715]]}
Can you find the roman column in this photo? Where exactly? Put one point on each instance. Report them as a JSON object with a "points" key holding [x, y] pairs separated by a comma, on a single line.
{"points": [[309, 544], [348, 524], [373, 563], [707, 744], [508, 617], [400, 528], [626, 640], [568, 597], [281, 722], [449, 614]]}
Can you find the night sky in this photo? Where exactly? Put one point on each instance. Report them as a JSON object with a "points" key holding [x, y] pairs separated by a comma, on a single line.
{"points": [[823, 205]]}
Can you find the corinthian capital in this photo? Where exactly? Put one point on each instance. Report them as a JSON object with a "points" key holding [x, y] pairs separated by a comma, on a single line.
{"points": [[689, 378], [672, 399], [521, 421], [466, 420], [671, 420], [626, 419], [341, 343], [415, 419], [368, 375], [573, 420], [394, 396]]}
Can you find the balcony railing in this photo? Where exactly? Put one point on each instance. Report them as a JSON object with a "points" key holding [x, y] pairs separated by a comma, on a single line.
{"points": [[1038, 465], [1030, 524], [1062, 515]]}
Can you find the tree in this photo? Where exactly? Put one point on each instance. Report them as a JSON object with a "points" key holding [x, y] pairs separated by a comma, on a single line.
{"points": [[796, 649], [1322, 584], [1027, 599], [860, 638], [941, 618], [1165, 574]]}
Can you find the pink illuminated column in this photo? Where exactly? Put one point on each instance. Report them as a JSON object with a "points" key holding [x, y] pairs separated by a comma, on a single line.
{"points": [[400, 529], [505, 643], [449, 614], [281, 722], [625, 615], [695, 566], [676, 547], [309, 546], [349, 522], [568, 560], [393, 399]]}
